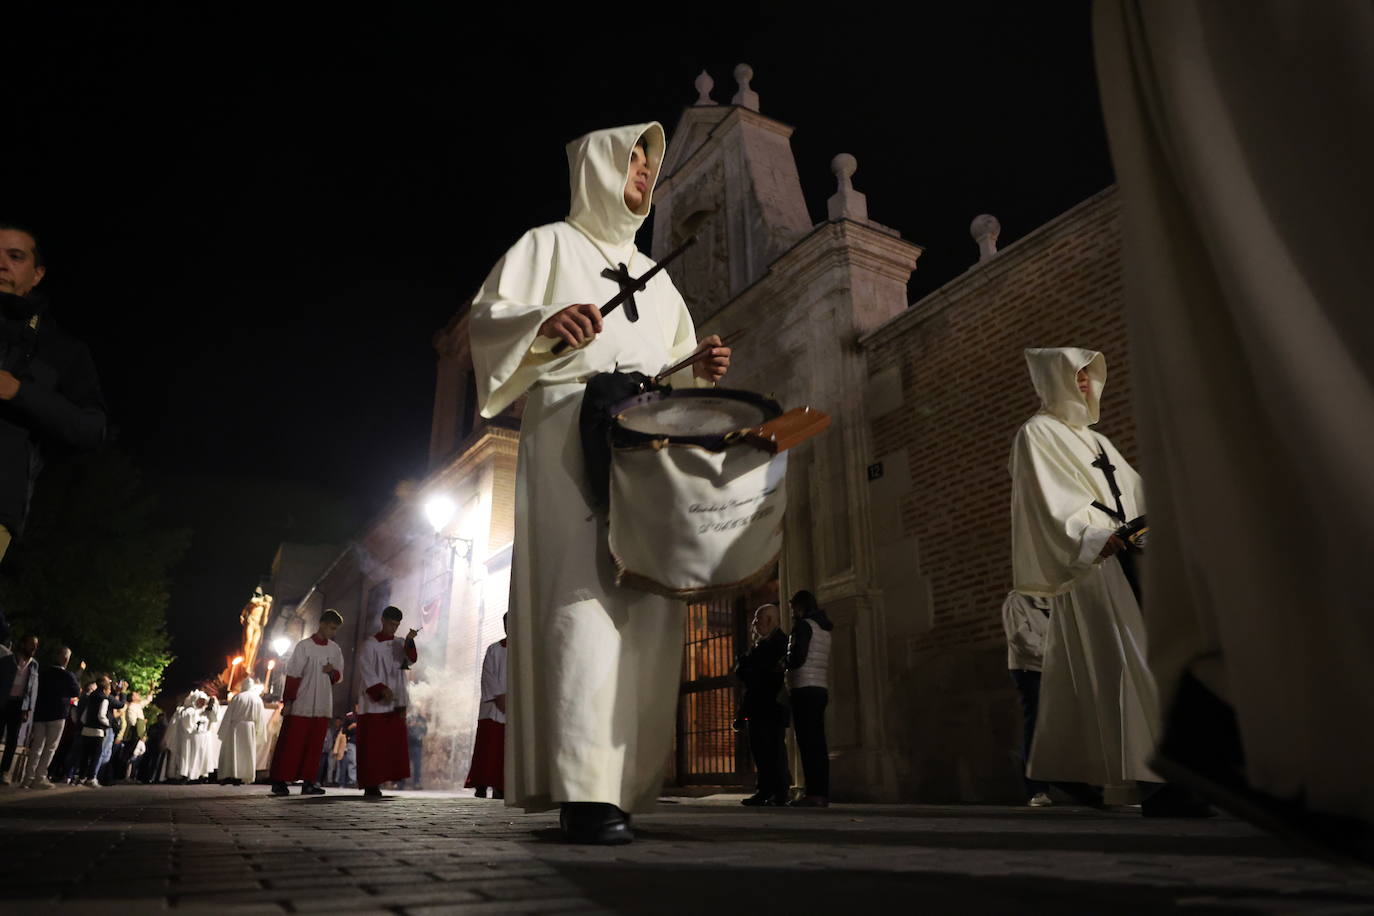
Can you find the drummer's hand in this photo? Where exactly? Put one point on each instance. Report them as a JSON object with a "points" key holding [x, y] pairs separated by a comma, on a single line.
{"points": [[713, 367], [575, 325]]}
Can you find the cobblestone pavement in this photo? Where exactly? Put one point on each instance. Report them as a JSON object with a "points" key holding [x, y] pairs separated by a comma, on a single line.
{"points": [[132, 849]]}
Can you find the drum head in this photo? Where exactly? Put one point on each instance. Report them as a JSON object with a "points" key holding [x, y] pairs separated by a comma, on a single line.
{"points": [[692, 416]]}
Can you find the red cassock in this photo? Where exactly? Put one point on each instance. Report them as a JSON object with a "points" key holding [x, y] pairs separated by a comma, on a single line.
{"points": [[298, 748], [383, 748], [489, 756]]}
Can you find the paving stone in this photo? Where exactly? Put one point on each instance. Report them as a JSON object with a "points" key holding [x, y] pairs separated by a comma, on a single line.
{"points": [[214, 849]]}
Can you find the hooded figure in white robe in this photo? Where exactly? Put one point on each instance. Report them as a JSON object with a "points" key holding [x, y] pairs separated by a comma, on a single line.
{"points": [[242, 731], [593, 668], [1242, 140], [1098, 708]]}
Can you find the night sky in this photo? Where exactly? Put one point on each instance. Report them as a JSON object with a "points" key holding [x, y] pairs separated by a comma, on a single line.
{"points": [[258, 218]]}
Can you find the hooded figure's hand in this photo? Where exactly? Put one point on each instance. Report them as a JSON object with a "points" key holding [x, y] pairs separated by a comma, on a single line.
{"points": [[575, 325], [713, 367]]}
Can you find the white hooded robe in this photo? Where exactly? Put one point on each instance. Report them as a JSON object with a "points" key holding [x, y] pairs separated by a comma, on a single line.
{"points": [[241, 732], [593, 668], [1098, 708], [1242, 139]]}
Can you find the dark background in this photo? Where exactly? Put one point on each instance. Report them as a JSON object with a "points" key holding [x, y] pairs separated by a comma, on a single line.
{"points": [[258, 217]]}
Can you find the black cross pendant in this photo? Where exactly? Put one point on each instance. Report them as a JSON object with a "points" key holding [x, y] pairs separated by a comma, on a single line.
{"points": [[622, 276]]}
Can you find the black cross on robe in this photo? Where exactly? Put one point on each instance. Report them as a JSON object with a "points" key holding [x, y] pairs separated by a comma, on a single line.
{"points": [[622, 276]]}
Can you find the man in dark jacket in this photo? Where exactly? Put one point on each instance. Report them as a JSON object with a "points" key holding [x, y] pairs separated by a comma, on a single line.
{"points": [[760, 669], [57, 687], [49, 392]]}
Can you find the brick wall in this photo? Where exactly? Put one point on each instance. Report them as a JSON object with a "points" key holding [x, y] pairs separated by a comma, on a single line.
{"points": [[965, 390]]}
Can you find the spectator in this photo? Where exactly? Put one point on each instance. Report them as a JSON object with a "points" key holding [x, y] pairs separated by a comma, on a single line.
{"points": [[130, 743], [1026, 621], [19, 693], [327, 751], [808, 660], [57, 690], [346, 766], [761, 671], [416, 729], [150, 765], [49, 392], [68, 759], [118, 700], [95, 724]]}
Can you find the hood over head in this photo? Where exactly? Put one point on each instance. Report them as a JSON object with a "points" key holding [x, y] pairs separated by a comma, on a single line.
{"points": [[598, 166], [1054, 372]]}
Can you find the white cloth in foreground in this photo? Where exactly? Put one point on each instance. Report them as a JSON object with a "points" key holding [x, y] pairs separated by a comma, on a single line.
{"points": [[593, 668], [241, 732], [1242, 138], [493, 682], [1098, 709]]}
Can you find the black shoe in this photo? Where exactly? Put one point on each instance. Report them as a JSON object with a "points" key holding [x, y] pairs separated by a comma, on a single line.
{"points": [[279, 788], [481, 792], [1171, 801], [757, 800], [311, 789], [372, 792], [779, 801], [1081, 793], [595, 823]]}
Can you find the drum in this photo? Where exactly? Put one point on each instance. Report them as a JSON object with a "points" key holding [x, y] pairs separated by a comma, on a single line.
{"points": [[696, 499]]}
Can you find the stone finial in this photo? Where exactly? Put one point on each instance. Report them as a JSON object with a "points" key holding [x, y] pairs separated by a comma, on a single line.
{"points": [[985, 228], [704, 85], [846, 203], [745, 97]]}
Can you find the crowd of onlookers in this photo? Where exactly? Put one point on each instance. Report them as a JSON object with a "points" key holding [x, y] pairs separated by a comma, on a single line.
{"points": [[55, 730]]}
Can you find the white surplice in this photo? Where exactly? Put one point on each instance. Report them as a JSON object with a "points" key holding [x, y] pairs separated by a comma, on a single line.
{"points": [[1242, 140], [593, 668], [380, 663], [1098, 708], [241, 732]]}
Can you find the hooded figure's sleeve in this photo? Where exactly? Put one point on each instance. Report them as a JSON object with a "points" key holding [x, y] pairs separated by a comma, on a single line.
{"points": [[1054, 538], [507, 353]]}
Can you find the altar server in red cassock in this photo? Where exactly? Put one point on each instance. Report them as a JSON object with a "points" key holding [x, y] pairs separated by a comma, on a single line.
{"points": [[383, 745], [315, 666], [489, 749]]}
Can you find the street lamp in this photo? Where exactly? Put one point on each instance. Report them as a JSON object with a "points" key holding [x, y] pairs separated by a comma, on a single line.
{"points": [[439, 510], [280, 645]]}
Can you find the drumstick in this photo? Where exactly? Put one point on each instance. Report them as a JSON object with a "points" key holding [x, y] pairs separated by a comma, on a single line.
{"points": [[697, 356]]}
